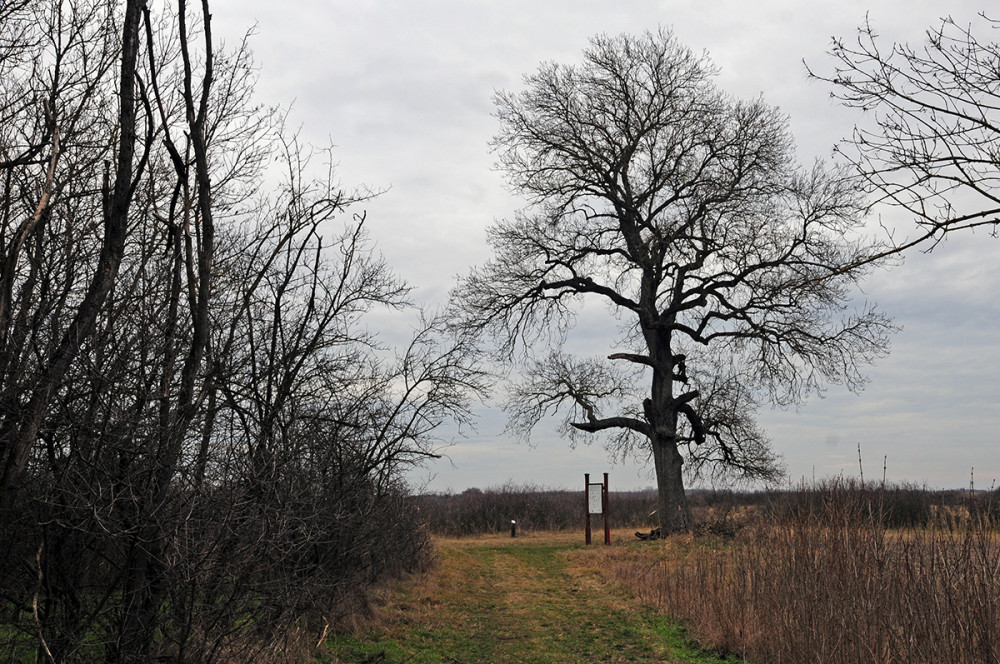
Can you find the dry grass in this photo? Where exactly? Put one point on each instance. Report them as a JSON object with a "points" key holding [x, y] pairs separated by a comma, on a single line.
{"points": [[834, 585]]}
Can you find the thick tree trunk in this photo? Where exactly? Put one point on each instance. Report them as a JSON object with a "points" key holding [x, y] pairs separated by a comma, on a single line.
{"points": [[661, 413], [672, 506]]}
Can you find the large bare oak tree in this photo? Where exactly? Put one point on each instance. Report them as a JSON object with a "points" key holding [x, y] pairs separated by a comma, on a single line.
{"points": [[684, 212]]}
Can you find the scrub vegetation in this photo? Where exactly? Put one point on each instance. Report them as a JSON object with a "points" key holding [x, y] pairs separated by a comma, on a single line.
{"points": [[533, 509]]}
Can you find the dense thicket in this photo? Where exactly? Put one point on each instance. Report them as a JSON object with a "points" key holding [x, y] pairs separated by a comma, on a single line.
{"points": [[201, 444]]}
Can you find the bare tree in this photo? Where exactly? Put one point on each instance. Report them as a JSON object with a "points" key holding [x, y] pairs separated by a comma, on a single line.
{"points": [[201, 437], [928, 142], [682, 211]]}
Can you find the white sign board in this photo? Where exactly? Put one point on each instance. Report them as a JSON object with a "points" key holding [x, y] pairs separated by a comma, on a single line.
{"points": [[594, 498]]}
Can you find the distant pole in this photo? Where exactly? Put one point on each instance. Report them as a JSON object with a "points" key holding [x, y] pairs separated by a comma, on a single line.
{"points": [[513, 528], [604, 508], [586, 501]]}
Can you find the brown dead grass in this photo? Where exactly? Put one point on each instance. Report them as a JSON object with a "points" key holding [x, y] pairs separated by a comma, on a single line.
{"points": [[838, 588]]}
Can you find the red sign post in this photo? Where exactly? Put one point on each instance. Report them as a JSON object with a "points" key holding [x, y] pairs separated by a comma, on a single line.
{"points": [[596, 498]]}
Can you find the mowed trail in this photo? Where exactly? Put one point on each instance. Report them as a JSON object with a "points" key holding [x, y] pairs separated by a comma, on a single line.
{"points": [[533, 599]]}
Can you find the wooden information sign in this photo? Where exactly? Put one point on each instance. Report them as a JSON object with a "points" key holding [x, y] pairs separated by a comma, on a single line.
{"points": [[596, 497]]}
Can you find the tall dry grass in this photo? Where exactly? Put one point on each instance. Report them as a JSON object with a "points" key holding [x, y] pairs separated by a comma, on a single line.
{"points": [[828, 580]]}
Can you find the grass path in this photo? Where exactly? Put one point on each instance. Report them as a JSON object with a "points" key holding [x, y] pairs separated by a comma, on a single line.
{"points": [[533, 599]]}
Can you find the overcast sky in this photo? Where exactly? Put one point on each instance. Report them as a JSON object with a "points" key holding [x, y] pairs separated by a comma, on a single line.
{"points": [[403, 90]]}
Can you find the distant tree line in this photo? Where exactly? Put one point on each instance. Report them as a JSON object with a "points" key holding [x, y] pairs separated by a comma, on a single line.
{"points": [[201, 442], [535, 509], [716, 511]]}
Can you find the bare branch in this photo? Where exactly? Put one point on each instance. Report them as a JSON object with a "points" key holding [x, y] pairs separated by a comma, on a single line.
{"points": [[930, 149]]}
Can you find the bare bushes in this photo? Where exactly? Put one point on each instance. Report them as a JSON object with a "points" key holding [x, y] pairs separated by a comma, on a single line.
{"points": [[246, 576], [476, 512], [833, 583], [892, 506], [201, 438]]}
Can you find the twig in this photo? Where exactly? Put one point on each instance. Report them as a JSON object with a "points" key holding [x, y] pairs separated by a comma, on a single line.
{"points": [[322, 637], [34, 603], [860, 466]]}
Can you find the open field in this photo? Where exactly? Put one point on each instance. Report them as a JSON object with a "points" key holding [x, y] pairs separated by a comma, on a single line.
{"points": [[841, 573], [837, 588], [540, 598]]}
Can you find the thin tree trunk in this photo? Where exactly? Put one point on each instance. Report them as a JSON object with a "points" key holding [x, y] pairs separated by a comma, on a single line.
{"points": [[145, 578]]}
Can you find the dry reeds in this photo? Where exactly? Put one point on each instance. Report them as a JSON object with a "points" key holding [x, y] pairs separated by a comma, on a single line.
{"points": [[832, 582]]}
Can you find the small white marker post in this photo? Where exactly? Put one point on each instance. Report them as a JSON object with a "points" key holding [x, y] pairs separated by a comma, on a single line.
{"points": [[596, 496]]}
